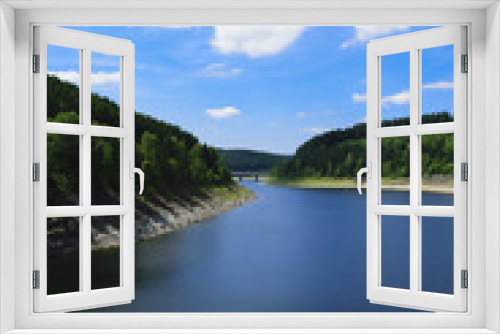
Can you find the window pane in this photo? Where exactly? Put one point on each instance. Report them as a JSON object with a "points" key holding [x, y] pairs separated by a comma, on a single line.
{"points": [[437, 84], [63, 81], [105, 252], [437, 254], [437, 169], [395, 240], [63, 170], [395, 89], [395, 171], [105, 171], [63, 255], [105, 79]]}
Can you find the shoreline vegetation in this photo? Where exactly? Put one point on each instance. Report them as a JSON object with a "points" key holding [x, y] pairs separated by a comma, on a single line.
{"points": [[444, 185]]}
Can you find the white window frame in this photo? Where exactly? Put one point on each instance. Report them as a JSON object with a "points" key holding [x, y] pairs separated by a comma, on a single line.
{"points": [[483, 211], [413, 44], [85, 44]]}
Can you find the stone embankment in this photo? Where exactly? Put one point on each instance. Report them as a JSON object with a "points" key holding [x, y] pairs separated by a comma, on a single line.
{"points": [[170, 218]]}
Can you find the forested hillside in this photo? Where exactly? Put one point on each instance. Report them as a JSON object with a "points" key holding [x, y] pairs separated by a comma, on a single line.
{"points": [[174, 161], [341, 153], [241, 160]]}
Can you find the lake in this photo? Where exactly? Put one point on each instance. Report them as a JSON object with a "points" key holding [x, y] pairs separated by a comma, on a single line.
{"points": [[291, 250]]}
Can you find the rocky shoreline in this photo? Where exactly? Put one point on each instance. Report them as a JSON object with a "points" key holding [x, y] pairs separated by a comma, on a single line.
{"points": [[161, 219], [180, 216], [172, 217]]}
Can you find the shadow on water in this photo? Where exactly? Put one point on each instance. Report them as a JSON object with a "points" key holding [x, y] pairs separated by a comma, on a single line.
{"points": [[292, 250]]}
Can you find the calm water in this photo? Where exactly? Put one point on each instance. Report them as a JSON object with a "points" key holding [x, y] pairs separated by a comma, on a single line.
{"points": [[292, 250]]}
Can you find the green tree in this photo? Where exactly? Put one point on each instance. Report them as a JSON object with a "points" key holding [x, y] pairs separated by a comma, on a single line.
{"points": [[174, 161], [341, 153]]}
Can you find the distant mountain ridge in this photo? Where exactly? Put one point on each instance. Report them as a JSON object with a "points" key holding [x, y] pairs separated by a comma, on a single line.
{"points": [[244, 160]]}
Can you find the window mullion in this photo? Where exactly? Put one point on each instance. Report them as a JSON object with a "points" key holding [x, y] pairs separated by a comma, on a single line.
{"points": [[81, 194], [66, 129], [85, 166], [421, 129], [415, 181], [415, 156]]}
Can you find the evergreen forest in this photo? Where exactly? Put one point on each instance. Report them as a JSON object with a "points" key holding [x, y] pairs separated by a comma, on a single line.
{"points": [[174, 161], [341, 153]]}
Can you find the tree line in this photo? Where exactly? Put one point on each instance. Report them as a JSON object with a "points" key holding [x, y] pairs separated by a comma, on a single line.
{"points": [[174, 161], [242, 160], [341, 153]]}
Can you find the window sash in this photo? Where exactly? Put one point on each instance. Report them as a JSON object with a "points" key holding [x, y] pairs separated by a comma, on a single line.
{"points": [[86, 297], [413, 43]]}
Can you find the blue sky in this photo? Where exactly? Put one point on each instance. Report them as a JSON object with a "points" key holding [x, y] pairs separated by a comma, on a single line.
{"points": [[267, 88]]}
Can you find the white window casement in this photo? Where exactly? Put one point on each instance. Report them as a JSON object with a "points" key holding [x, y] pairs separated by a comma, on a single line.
{"points": [[477, 142], [414, 45], [84, 132]]}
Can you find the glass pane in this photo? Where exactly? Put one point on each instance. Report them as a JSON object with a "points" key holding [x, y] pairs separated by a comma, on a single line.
{"points": [[395, 244], [105, 79], [395, 171], [395, 89], [105, 171], [437, 169], [437, 254], [437, 84], [105, 252], [63, 170], [63, 81], [63, 255]]}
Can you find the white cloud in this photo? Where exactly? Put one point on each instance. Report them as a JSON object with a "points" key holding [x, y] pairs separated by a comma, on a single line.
{"points": [[225, 112], [98, 78], [363, 34], [438, 85], [69, 76], [359, 97], [255, 41], [399, 98], [318, 129], [220, 70], [404, 96], [105, 77]]}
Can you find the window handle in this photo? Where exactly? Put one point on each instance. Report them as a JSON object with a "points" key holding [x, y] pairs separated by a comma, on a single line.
{"points": [[141, 176], [366, 170]]}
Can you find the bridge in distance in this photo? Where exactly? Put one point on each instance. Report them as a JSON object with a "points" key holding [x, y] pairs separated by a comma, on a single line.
{"points": [[250, 175]]}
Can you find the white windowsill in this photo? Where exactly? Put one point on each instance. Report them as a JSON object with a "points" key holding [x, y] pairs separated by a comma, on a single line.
{"points": [[485, 314]]}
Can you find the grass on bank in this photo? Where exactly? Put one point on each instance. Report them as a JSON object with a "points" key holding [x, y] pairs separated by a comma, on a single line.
{"points": [[402, 183], [229, 192]]}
